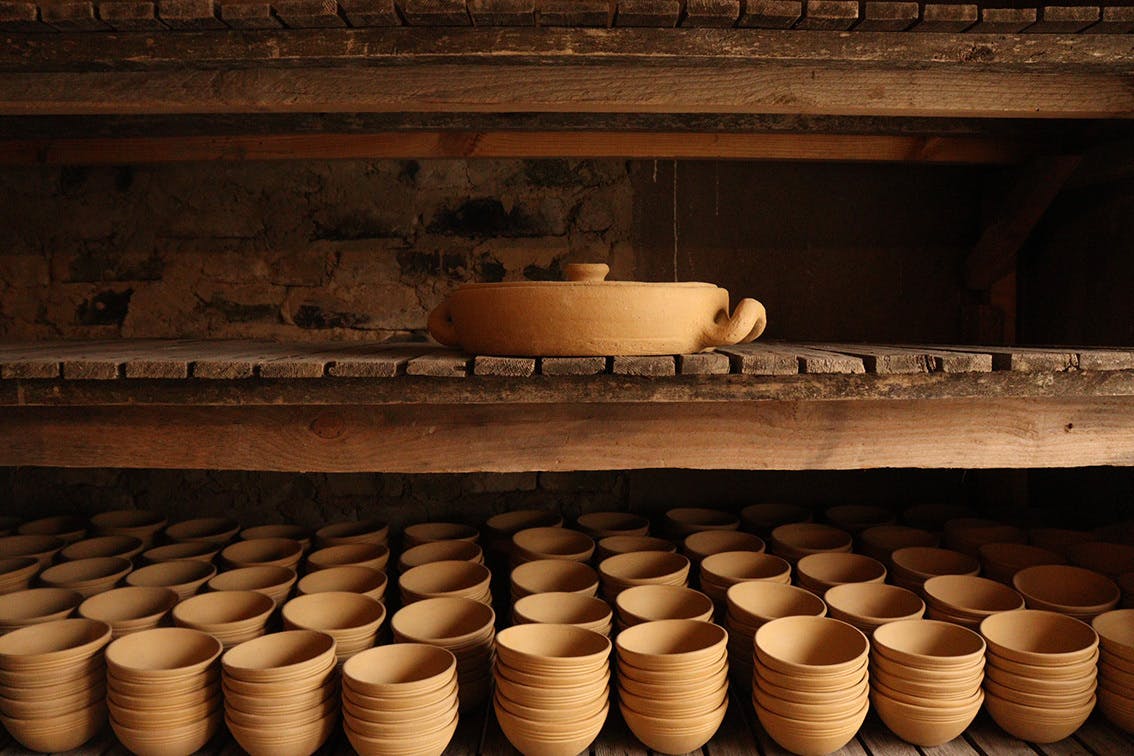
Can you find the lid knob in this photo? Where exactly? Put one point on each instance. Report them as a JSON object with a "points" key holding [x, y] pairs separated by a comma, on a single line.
{"points": [[587, 271]]}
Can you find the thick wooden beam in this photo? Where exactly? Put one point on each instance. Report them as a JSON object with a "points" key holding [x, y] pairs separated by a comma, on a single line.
{"points": [[756, 436], [513, 144]]}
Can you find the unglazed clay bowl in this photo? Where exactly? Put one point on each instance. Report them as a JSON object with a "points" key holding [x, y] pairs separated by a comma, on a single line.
{"points": [[646, 603], [959, 686], [552, 691], [855, 518], [345, 616], [36, 606], [642, 568], [1110, 559], [530, 740], [971, 597], [280, 657], [817, 713], [331, 703], [405, 724], [366, 554], [551, 543], [796, 540], [919, 563], [693, 673], [669, 645], [819, 572], [611, 545], [352, 531], [730, 567], [708, 542], [293, 702], [924, 675], [448, 622], [607, 524], [928, 644], [139, 523], [63, 733], [61, 699], [1116, 632], [1118, 709], [670, 736], [856, 690], [350, 578], [167, 703], [1036, 725], [202, 551], [184, 577], [219, 530], [813, 683], [919, 725], [281, 552], [433, 745], [42, 548], [158, 719], [805, 738], [400, 670], [560, 608], [273, 581], [169, 741], [1066, 589], [763, 518], [87, 577], [161, 654], [1061, 672], [552, 649], [690, 706], [1071, 698], [390, 707], [1040, 638], [52, 646], [440, 551], [67, 528], [554, 714], [810, 646], [188, 685], [689, 687], [553, 575], [294, 740], [880, 541], [448, 578], [1000, 561], [530, 318], [754, 603], [225, 613], [1044, 685], [17, 573], [868, 606], [124, 546], [429, 532], [279, 530], [684, 521]]}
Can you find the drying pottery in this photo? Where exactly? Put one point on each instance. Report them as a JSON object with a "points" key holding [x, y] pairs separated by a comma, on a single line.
{"points": [[124, 546], [350, 578], [548, 575], [611, 545], [796, 540], [202, 551], [218, 530], [17, 573], [350, 618], [231, 617], [559, 608], [130, 609], [42, 548], [880, 541], [624, 571], [607, 524], [588, 316], [815, 646], [1074, 591], [646, 603], [36, 606], [139, 523], [281, 552], [280, 530], [87, 576], [363, 554], [551, 543], [185, 577], [161, 655], [684, 521], [273, 581], [352, 531], [429, 532], [1001, 561], [448, 578], [67, 528], [1040, 638], [708, 542], [440, 551], [928, 644], [820, 572], [868, 606]]}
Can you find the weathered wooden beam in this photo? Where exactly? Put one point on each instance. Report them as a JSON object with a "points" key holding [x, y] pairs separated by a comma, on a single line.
{"points": [[888, 16], [1004, 20], [829, 15], [19, 16], [771, 14], [1115, 20], [947, 17], [648, 13], [1065, 19]]}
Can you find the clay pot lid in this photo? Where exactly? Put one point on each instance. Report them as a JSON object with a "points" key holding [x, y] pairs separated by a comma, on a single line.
{"points": [[581, 275], [352, 577], [248, 553], [655, 602], [811, 645], [554, 542], [163, 651], [761, 601], [560, 608], [176, 572], [50, 643], [448, 619], [353, 531], [428, 532], [129, 603], [211, 529], [968, 594], [125, 546], [708, 542], [628, 544], [444, 577], [223, 607], [333, 610], [440, 551], [21, 606], [874, 602], [253, 578], [203, 551], [510, 523], [558, 647], [85, 571], [401, 667], [277, 654], [1037, 637], [1067, 588], [542, 575]]}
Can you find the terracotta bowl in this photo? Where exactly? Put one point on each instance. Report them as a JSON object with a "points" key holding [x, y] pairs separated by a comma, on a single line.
{"points": [[757, 602], [225, 613], [553, 575], [17, 573], [87, 576], [400, 670], [286, 741], [281, 552], [667, 645], [345, 616], [697, 546], [63, 733], [507, 524], [694, 673], [440, 551], [552, 691], [552, 649], [162, 654], [606, 524], [560, 608], [446, 622], [63, 700], [279, 530], [42, 548], [919, 563], [287, 656], [273, 581], [185, 576], [36, 606], [1068, 698], [1053, 672], [351, 578], [668, 736], [352, 531], [430, 532], [1036, 725], [646, 603], [1058, 539], [139, 523], [297, 704], [1116, 632], [968, 540], [1110, 559], [763, 518], [373, 555], [420, 723], [880, 541], [971, 597], [816, 713], [218, 530], [925, 726], [860, 688], [528, 741], [203, 551], [1114, 662], [922, 674], [1070, 590], [1040, 638], [855, 518], [797, 540], [1044, 685], [960, 686], [680, 708], [182, 686], [812, 683], [52, 646], [130, 609], [275, 720], [389, 707], [819, 572], [805, 738], [67, 528], [1117, 708], [810, 646], [642, 568], [167, 741], [551, 543], [449, 578], [728, 568], [691, 687], [124, 546], [1000, 561], [167, 703], [554, 714], [432, 746], [611, 545], [928, 644], [684, 521], [868, 606], [161, 719]]}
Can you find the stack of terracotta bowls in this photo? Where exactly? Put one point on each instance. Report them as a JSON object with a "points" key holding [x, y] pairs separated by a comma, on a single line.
{"points": [[36, 606], [280, 552], [1041, 676], [855, 518], [1074, 591], [123, 546], [163, 690], [762, 519], [462, 626], [912, 566], [500, 528], [673, 682], [273, 581], [558, 575], [925, 679], [1116, 666], [440, 551], [708, 542], [797, 540], [139, 523], [810, 682], [623, 571], [1001, 561], [53, 683], [373, 555], [131, 609], [580, 610], [881, 541], [68, 528], [1110, 559], [202, 551], [88, 577], [647, 603], [217, 530], [352, 579], [752, 605], [352, 619], [551, 543], [819, 573], [400, 699], [608, 524], [611, 545], [721, 571], [42, 548], [966, 600], [231, 617], [352, 531], [552, 687], [868, 606], [183, 576], [281, 693], [17, 573], [685, 521], [968, 534], [448, 578], [279, 530], [432, 532]]}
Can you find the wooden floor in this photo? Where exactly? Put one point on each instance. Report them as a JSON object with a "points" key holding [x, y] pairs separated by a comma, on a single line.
{"points": [[739, 735]]}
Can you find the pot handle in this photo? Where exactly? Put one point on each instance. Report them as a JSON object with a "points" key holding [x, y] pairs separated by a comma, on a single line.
{"points": [[747, 322], [441, 325]]}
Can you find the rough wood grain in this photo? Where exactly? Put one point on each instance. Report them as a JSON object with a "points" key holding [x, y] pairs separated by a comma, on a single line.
{"points": [[770, 14], [644, 365], [130, 15], [21, 17], [72, 16], [1115, 20], [192, 15], [249, 14], [829, 15], [616, 738], [514, 367], [363, 13], [1101, 737], [1065, 19], [879, 740], [748, 359], [958, 746], [822, 361], [592, 13], [1004, 20], [885, 360], [648, 13], [703, 363], [502, 12], [712, 13], [947, 17], [387, 362], [888, 16], [309, 14], [572, 365], [991, 740], [435, 12], [440, 364]]}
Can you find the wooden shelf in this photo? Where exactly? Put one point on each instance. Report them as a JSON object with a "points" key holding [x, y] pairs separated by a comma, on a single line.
{"points": [[416, 408]]}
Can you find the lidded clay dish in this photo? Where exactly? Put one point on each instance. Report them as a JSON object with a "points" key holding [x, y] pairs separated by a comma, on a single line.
{"points": [[589, 316]]}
